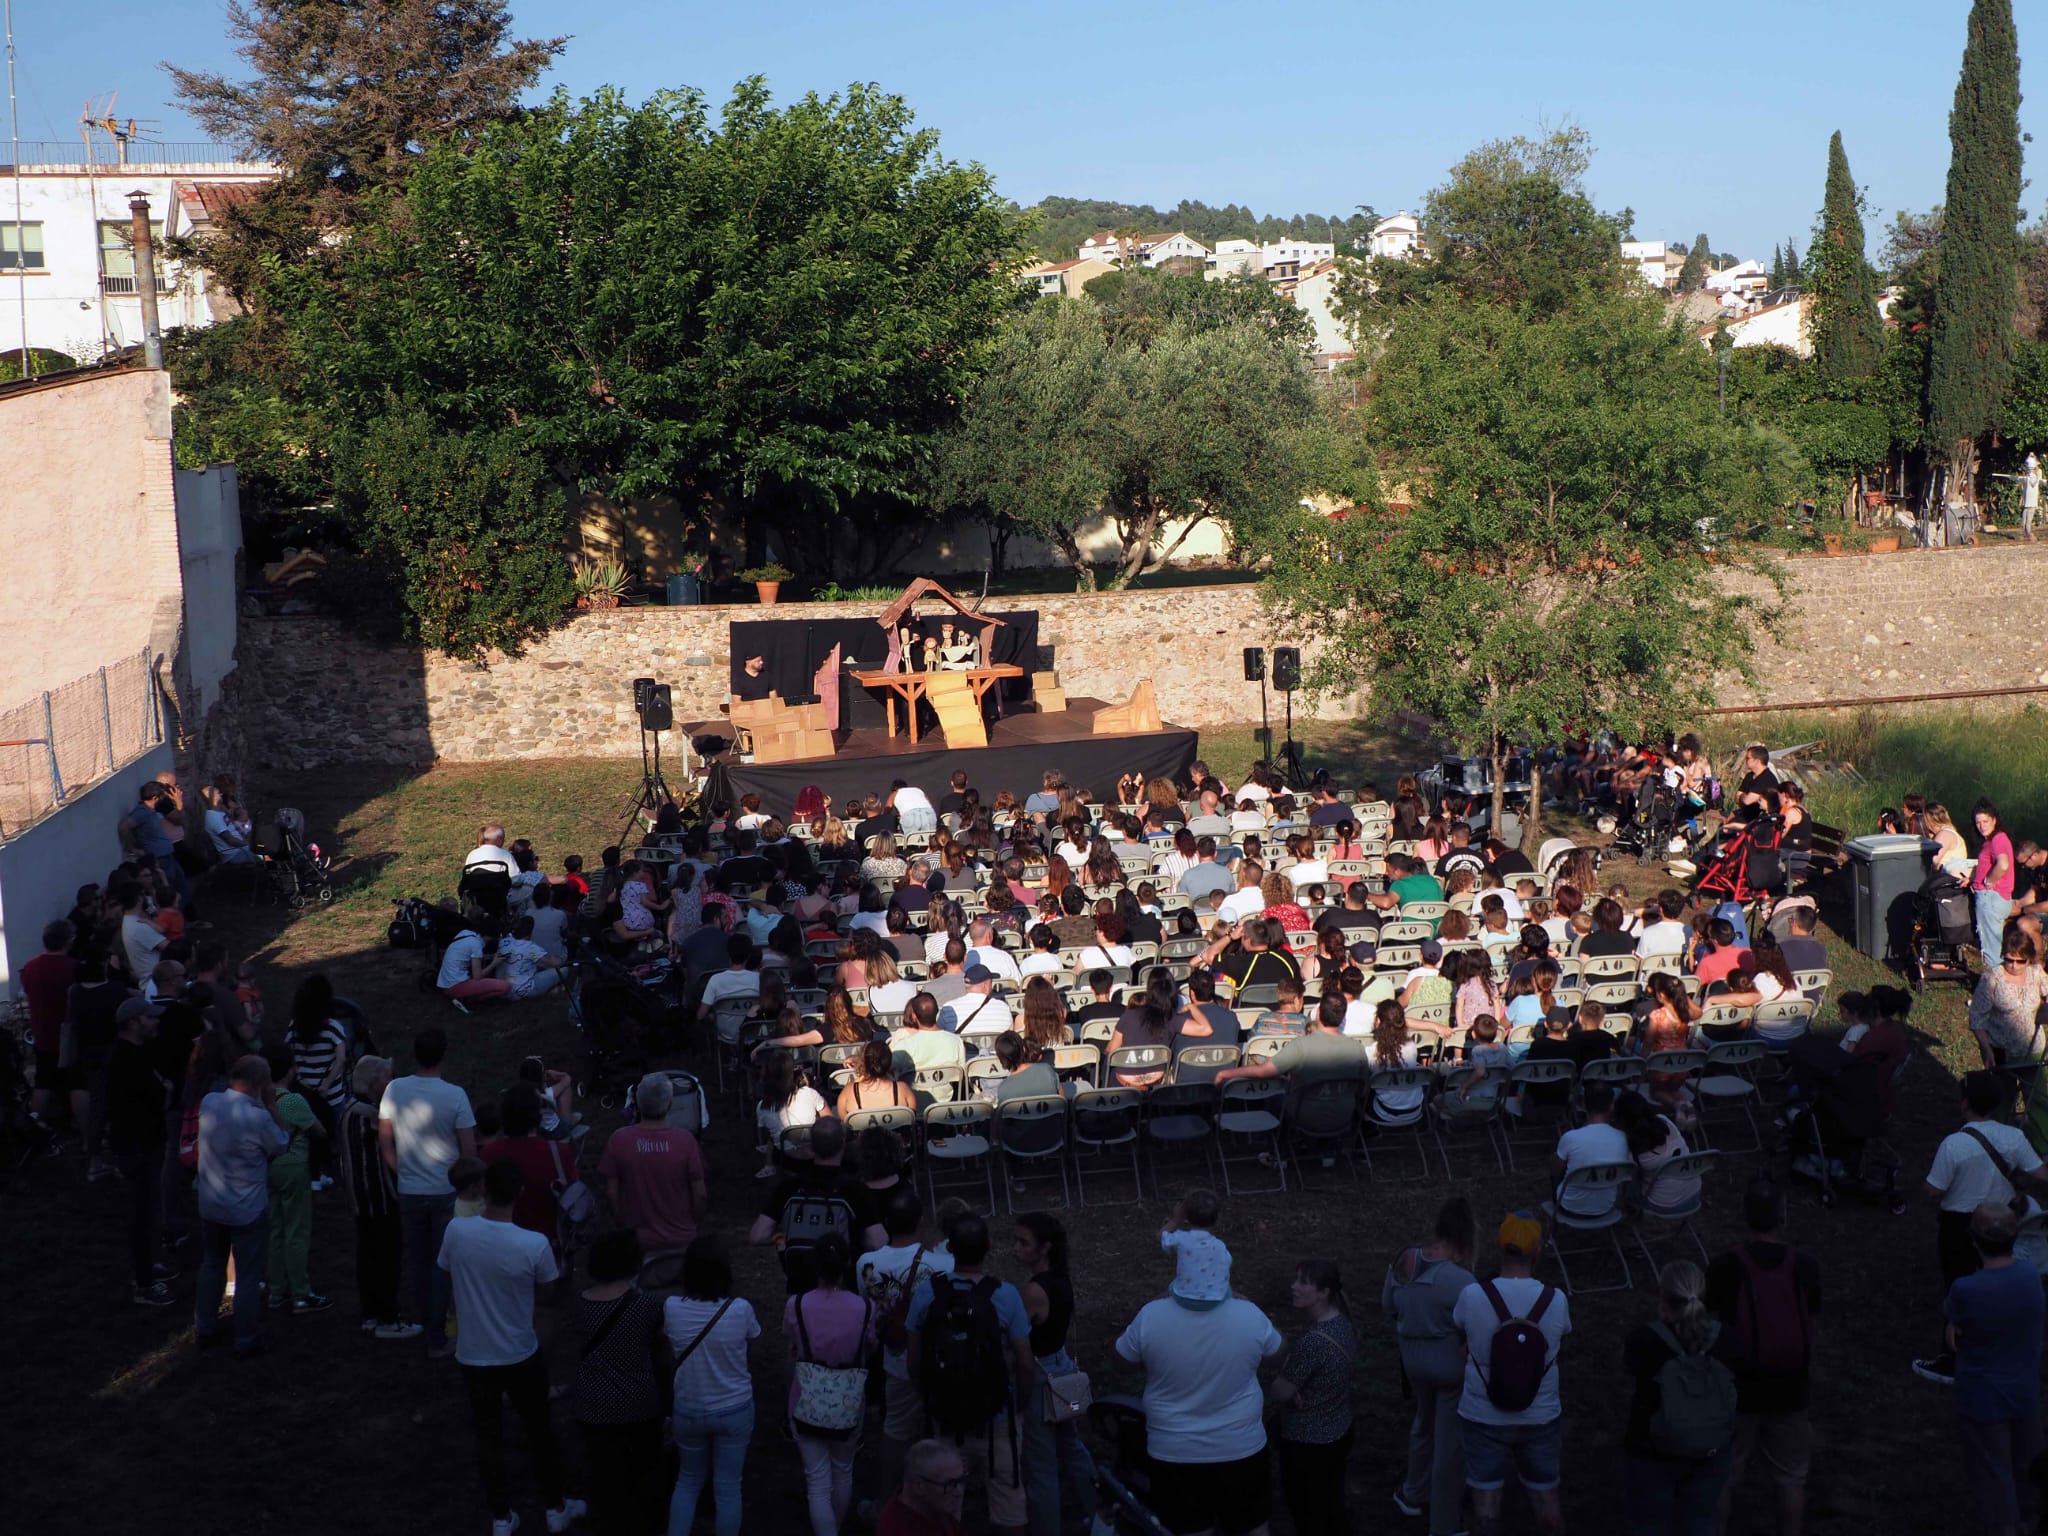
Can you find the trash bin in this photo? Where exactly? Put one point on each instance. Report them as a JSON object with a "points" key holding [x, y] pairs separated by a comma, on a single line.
{"points": [[1888, 869], [684, 590]]}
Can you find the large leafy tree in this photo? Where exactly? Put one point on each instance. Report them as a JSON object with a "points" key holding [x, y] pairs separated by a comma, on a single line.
{"points": [[1551, 575], [1848, 333], [767, 316], [1140, 303], [1971, 337], [1179, 426]]}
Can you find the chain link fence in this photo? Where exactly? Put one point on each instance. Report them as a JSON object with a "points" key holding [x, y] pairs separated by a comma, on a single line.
{"points": [[61, 742]]}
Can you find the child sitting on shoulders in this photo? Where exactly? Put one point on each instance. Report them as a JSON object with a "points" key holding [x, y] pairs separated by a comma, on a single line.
{"points": [[1201, 1261]]}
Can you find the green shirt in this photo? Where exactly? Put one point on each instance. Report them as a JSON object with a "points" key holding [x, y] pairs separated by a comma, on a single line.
{"points": [[1318, 1056], [297, 1115], [1411, 888]]}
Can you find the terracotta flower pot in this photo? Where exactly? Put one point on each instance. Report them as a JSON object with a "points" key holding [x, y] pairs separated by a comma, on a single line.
{"points": [[768, 591], [1888, 545], [1831, 542]]}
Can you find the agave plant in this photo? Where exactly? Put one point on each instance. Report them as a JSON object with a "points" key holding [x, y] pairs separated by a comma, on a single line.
{"points": [[600, 584]]}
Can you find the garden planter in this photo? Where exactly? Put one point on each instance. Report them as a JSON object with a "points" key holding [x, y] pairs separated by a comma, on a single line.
{"points": [[768, 591], [1831, 543], [1888, 545]]}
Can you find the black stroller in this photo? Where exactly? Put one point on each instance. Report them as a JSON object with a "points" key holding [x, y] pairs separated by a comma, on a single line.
{"points": [[1937, 927], [1654, 820], [299, 872], [1834, 1122]]}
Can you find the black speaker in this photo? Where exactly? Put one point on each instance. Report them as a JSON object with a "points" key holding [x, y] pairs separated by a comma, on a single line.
{"points": [[1286, 668], [657, 711], [641, 687], [1254, 663]]}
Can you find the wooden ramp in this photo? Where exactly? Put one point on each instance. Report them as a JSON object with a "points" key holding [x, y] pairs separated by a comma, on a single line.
{"points": [[1140, 712], [959, 710]]}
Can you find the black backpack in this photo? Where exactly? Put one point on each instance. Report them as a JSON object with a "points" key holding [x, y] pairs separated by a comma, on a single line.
{"points": [[1518, 1358], [411, 926], [963, 1364]]}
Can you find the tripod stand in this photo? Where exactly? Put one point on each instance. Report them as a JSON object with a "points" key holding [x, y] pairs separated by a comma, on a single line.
{"points": [[653, 791], [1290, 749]]}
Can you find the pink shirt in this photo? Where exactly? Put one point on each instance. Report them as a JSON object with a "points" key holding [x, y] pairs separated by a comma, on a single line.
{"points": [[654, 1165], [839, 1324], [1994, 845]]}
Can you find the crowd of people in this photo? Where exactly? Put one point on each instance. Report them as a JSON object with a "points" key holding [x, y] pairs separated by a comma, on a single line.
{"points": [[917, 933]]}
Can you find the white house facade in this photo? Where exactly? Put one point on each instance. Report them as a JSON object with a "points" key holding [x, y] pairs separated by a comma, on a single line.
{"points": [[1151, 250], [1315, 295], [1396, 238]]}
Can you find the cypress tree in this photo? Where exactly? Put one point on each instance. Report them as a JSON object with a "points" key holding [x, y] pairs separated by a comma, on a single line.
{"points": [[1694, 273], [1969, 364], [1777, 266], [1793, 276], [1848, 334]]}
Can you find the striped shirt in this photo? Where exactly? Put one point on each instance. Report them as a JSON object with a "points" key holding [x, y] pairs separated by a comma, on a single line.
{"points": [[315, 1060], [366, 1180]]}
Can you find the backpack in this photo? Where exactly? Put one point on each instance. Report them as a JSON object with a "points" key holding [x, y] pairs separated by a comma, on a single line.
{"points": [[1770, 1316], [808, 1218], [1518, 1358], [411, 926], [963, 1367], [1695, 1414]]}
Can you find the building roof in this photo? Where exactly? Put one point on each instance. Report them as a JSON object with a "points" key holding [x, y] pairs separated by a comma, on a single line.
{"points": [[1327, 264], [206, 202]]}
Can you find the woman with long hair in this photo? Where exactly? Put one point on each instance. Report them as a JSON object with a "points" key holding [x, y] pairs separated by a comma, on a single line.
{"points": [[882, 861], [1148, 1023], [708, 1329], [1058, 1471], [1435, 841], [1103, 869], [833, 1326], [1951, 853], [320, 1057], [841, 1026], [1391, 1046], [1670, 1491], [1058, 876], [1313, 1394], [874, 1084], [1991, 882], [787, 1099], [1475, 992], [1045, 1015], [1420, 1292], [1668, 1028], [1576, 869]]}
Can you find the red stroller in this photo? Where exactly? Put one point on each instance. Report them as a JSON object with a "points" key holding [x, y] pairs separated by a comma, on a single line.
{"points": [[1749, 868]]}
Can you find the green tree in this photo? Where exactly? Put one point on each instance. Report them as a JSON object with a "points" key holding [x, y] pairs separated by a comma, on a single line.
{"points": [[1551, 576], [1971, 337], [1794, 273], [1777, 274], [1848, 333], [768, 317], [1698, 263], [1138, 304]]}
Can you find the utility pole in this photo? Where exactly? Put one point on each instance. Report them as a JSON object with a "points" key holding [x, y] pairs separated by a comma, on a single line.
{"points": [[28, 356]]}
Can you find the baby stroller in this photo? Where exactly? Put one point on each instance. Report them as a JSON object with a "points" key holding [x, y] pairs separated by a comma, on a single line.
{"points": [[1653, 828], [1123, 1482], [1834, 1121], [298, 871], [625, 1015], [1941, 923], [1748, 869]]}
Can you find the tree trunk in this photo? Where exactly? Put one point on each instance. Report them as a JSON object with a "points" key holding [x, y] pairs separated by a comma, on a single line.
{"points": [[1962, 467], [1137, 547], [1532, 823], [1500, 788], [1084, 573]]}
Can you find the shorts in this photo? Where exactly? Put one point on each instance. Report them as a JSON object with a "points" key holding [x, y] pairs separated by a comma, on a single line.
{"points": [[990, 1457], [1535, 1451], [1782, 1441], [1227, 1496], [902, 1409], [52, 1078]]}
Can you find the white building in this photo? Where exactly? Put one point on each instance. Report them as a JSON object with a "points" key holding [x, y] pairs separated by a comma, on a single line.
{"points": [[1787, 323], [1742, 282], [1151, 250], [1234, 258], [68, 267], [1315, 295], [1279, 261], [1658, 261], [1397, 238]]}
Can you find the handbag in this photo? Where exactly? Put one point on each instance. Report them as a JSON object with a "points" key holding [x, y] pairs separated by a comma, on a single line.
{"points": [[831, 1400], [1067, 1396], [2018, 1204], [577, 1203]]}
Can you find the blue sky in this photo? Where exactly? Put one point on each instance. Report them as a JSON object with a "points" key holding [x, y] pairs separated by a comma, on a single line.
{"points": [[1698, 125]]}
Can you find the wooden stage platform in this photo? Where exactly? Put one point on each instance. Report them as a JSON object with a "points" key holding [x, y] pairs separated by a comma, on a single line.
{"points": [[1020, 749]]}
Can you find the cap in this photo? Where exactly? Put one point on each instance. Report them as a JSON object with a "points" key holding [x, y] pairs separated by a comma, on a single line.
{"points": [[1521, 1234], [135, 1008], [977, 973], [1432, 951], [1363, 952]]}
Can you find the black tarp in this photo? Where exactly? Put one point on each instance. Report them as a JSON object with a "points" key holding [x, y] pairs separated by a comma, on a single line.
{"points": [[794, 649]]}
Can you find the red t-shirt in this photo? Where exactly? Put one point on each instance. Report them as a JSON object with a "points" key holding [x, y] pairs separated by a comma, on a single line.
{"points": [[535, 1209], [577, 884], [655, 1166], [46, 983], [899, 1519], [1715, 967]]}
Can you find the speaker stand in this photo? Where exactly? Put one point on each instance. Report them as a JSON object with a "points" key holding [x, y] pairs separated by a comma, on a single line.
{"points": [[653, 790], [1290, 750]]}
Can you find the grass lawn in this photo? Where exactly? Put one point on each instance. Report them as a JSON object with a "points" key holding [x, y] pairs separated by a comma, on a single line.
{"points": [[333, 1432]]}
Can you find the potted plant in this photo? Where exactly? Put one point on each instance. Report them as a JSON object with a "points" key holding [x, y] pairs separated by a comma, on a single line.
{"points": [[1885, 544], [600, 584], [767, 580]]}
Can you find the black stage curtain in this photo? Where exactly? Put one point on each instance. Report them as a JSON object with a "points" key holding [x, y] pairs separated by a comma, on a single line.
{"points": [[1093, 762], [794, 649]]}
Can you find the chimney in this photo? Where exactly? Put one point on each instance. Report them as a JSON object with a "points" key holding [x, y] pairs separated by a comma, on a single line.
{"points": [[145, 279]]}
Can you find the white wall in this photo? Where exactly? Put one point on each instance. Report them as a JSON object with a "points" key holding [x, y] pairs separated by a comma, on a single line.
{"points": [[209, 542], [1315, 297], [42, 869], [963, 548]]}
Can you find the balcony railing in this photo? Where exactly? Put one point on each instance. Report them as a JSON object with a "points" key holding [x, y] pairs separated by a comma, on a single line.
{"points": [[110, 284]]}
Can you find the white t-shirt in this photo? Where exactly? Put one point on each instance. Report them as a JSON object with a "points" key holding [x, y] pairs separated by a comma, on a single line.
{"points": [[1246, 901], [218, 830], [891, 996], [1964, 1172], [876, 921], [1247, 821], [522, 962], [803, 1108], [881, 1276], [1038, 963], [1308, 872], [727, 985], [1396, 1101], [1666, 937], [142, 942], [996, 959], [911, 798], [1095, 957], [1510, 903], [425, 1115], [975, 1017], [465, 947], [1586, 1145], [493, 1267], [1473, 1317], [1202, 1398], [714, 1378], [935, 946], [489, 856]]}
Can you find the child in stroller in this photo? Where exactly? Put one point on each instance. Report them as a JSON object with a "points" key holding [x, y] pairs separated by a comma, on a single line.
{"points": [[1838, 1102], [298, 871]]}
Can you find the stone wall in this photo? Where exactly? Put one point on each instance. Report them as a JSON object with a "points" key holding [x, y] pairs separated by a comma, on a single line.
{"points": [[313, 695]]}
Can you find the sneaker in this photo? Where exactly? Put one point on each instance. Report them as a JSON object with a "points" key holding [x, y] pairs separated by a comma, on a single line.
{"points": [[275, 1300], [510, 1523], [1942, 1369], [156, 1294], [566, 1515], [312, 1301], [1412, 1511], [399, 1330], [323, 1183], [768, 1172], [462, 1007], [369, 1325]]}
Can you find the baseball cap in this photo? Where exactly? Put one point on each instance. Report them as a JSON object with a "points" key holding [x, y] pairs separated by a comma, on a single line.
{"points": [[1521, 1234], [977, 973], [135, 1008], [1363, 952], [1432, 951]]}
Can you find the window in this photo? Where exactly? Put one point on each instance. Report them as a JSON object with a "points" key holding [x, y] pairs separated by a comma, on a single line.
{"points": [[117, 256], [21, 245]]}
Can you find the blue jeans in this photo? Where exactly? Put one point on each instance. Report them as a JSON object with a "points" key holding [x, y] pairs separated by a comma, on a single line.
{"points": [[1675, 1498], [1992, 911], [1056, 1462], [250, 1244], [713, 1449], [423, 1219]]}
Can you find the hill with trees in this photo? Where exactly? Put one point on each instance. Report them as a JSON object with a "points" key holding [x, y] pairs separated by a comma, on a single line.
{"points": [[1064, 222]]}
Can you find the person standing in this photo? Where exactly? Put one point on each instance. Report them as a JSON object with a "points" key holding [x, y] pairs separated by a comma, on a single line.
{"points": [[423, 1125], [620, 1392], [371, 1192], [1313, 1393], [1767, 1294], [709, 1330], [1991, 881], [239, 1133], [654, 1172], [1994, 1332], [135, 1137], [1420, 1293], [1681, 1419], [494, 1267], [889, 1276], [291, 1194], [2030, 495], [829, 1329], [1058, 1471], [1513, 1328]]}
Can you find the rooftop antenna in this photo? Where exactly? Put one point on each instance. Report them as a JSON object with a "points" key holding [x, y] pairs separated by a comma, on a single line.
{"points": [[28, 357]]}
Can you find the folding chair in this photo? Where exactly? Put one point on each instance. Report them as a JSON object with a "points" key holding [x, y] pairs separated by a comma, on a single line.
{"points": [[1103, 1119], [833, 1057], [1378, 1118], [1429, 1013], [1615, 997], [1536, 1124], [900, 1118], [1098, 1031], [727, 1019], [1251, 1108], [1609, 968], [1453, 1116], [1135, 1060], [1430, 912], [1032, 1131], [1727, 1083], [982, 1071], [1674, 1221], [1180, 1117], [1405, 930], [1716, 1015], [958, 1135], [1324, 1115], [1264, 1047], [1079, 1063], [939, 1085], [1779, 1023], [1614, 1180], [1620, 1073], [1814, 985], [1201, 1063]]}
